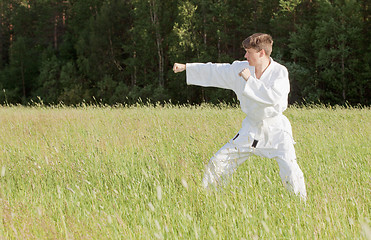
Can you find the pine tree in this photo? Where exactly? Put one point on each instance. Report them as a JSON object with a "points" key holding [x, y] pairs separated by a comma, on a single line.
{"points": [[337, 44]]}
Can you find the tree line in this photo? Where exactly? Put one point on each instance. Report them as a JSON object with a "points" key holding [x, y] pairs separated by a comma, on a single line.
{"points": [[120, 51]]}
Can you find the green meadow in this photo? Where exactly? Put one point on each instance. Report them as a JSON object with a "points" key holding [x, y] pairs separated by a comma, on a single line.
{"points": [[99, 172]]}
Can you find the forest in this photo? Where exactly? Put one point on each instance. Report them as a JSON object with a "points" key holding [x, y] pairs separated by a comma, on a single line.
{"points": [[122, 51]]}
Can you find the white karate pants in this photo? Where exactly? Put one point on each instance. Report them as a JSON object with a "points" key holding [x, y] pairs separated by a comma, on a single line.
{"points": [[231, 155]]}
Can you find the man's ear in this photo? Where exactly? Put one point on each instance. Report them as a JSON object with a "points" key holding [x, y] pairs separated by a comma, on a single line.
{"points": [[262, 53]]}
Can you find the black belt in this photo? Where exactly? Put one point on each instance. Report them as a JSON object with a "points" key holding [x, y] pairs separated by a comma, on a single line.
{"points": [[254, 143]]}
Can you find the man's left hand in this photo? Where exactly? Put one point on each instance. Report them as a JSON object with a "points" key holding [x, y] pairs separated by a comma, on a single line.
{"points": [[245, 74]]}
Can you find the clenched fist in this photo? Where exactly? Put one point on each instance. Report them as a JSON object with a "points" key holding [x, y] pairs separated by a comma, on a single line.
{"points": [[245, 74], [179, 67]]}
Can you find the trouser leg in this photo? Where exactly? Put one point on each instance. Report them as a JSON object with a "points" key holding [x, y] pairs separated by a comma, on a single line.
{"points": [[292, 177], [223, 164]]}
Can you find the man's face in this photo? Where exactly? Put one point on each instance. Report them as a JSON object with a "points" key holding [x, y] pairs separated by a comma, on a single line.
{"points": [[252, 56]]}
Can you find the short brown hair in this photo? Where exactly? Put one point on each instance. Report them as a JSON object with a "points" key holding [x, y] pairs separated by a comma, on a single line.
{"points": [[259, 41]]}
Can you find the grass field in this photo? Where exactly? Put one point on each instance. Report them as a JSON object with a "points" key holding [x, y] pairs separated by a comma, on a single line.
{"points": [[135, 173]]}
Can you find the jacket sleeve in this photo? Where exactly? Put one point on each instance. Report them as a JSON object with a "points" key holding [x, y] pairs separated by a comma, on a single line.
{"points": [[268, 93], [221, 75]]}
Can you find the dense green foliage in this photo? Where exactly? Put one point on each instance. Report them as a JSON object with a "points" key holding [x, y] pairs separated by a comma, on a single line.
{"points": [[135, 173], [120, 50]]}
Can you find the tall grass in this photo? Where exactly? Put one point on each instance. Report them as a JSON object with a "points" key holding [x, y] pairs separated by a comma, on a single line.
{"points": [[135, 173]]}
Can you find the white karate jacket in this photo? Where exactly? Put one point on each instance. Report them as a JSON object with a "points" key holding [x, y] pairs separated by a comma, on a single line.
{"points": [[263, 100]]}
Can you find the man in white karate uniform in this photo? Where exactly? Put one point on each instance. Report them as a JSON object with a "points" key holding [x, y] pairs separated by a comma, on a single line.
{"points": [[262, 87]]}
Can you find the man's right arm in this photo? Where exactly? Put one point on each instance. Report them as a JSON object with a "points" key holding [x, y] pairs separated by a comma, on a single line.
{"points": [[221, 75]]}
